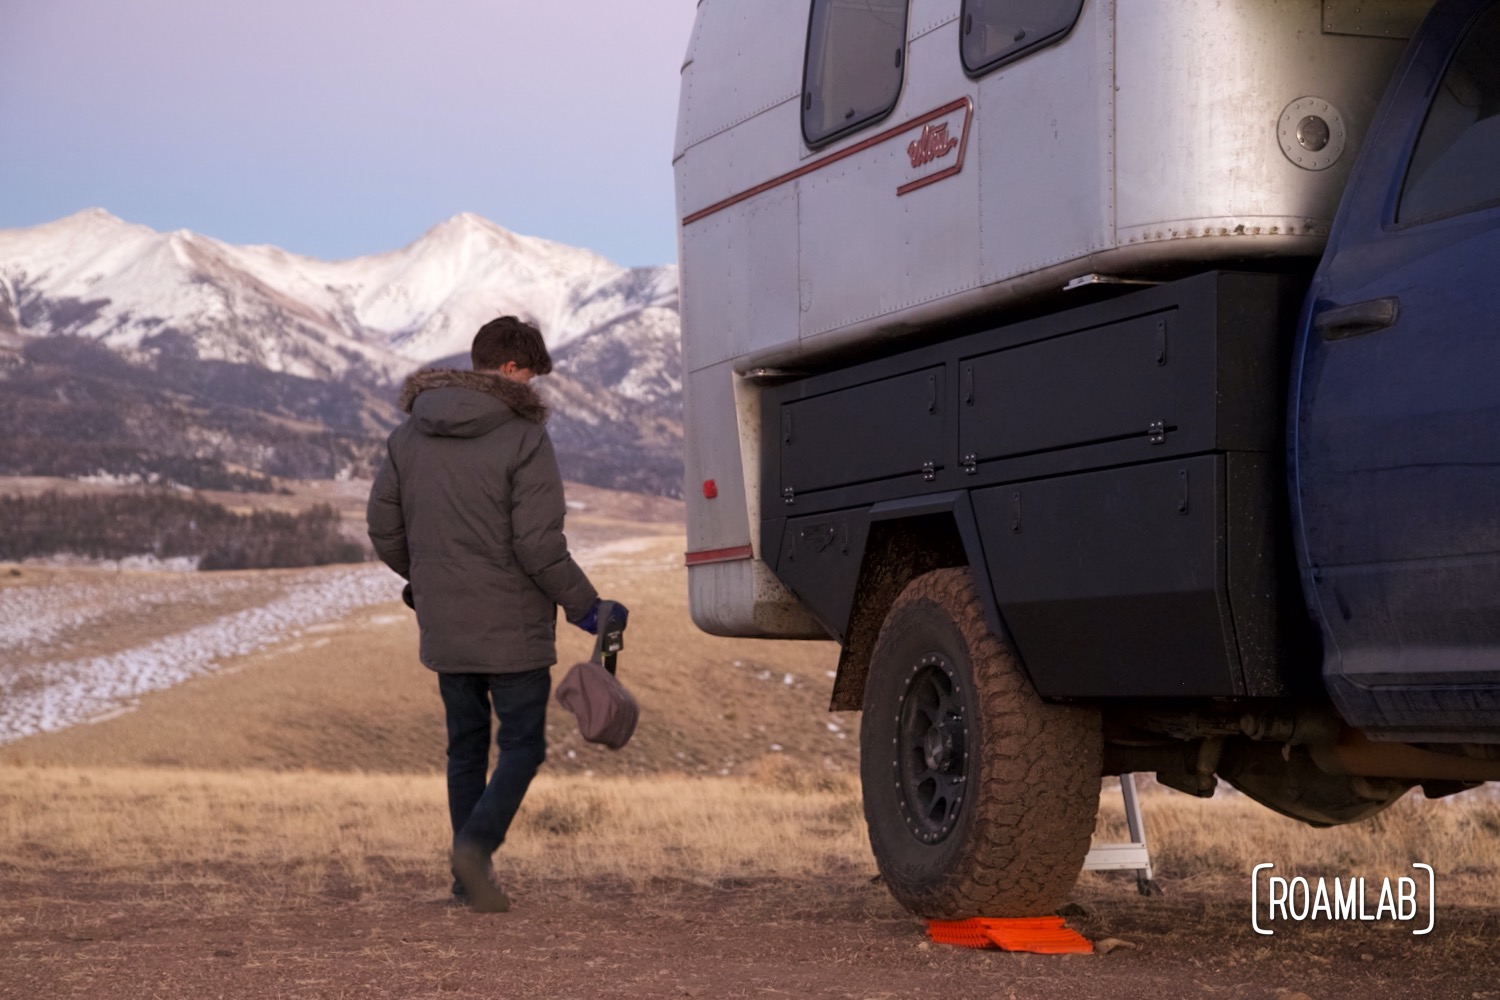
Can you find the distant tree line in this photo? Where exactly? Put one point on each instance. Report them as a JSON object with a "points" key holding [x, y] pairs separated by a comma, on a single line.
{"points": [[24, 454], [167, 526]]}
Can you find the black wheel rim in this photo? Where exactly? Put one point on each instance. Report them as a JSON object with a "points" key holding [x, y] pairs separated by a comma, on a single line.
{"points": [[932, 759]]}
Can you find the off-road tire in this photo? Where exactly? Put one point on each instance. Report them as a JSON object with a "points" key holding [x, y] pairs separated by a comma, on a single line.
{"points": [[1010, 839]]}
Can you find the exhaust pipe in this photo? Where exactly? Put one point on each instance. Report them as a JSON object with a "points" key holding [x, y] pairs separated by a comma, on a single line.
{"points": [[1355, 755]]}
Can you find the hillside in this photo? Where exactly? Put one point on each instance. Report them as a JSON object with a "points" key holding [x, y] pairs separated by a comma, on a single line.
{"points": [[324, 692]]}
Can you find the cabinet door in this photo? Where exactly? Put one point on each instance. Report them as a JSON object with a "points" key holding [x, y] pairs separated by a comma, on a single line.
{"points": [[879, 430]]}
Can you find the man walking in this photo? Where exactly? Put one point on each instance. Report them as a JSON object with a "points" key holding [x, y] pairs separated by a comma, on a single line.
{"points": [[468, 507]]}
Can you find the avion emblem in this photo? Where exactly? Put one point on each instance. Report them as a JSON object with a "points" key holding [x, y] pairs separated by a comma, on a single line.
{"points": [[933, 144]]}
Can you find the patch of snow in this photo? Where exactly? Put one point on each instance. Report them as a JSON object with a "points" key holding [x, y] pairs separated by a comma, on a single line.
{"points": [[32, 618], [50, 696], [175, 564]]}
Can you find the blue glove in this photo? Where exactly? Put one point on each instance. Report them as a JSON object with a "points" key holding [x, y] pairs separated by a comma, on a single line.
{"points": [[590, 621]]}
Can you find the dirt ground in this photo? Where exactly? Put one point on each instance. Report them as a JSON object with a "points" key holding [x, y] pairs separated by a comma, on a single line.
{"points": [[829, 937]]}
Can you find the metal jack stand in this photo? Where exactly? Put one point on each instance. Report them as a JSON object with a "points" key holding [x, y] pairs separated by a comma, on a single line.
{"points": [[1132, 856]]}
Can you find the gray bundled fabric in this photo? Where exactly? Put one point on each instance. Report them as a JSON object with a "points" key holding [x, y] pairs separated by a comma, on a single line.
{"points": [[468, 505], [606, 712]]}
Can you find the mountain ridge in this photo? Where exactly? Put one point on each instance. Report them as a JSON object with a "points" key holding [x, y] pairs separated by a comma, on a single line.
{"points": [[268, 333]]}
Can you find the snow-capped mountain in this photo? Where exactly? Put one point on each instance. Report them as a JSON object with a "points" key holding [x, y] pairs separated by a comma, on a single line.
{"points": [[169, 300], [94, 275]]}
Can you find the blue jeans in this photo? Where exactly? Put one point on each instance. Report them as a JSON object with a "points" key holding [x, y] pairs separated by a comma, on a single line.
{"points": [[482, 812]]}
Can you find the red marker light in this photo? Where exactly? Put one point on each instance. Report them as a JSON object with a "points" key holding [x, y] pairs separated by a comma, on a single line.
{"points": [[710, 489]]}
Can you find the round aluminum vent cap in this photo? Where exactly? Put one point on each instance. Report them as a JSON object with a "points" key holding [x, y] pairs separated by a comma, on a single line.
{"points": [[1312, 133]]}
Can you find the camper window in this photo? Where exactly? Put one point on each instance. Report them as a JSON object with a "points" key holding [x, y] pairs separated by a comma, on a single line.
{"points": [[856, 51], [1455, 167], [996, 32]]}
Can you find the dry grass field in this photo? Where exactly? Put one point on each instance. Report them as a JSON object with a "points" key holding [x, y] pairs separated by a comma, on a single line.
{"points": [[273, 825]]}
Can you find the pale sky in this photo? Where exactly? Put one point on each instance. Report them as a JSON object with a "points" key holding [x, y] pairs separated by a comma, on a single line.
{"points": [[338, 128]]}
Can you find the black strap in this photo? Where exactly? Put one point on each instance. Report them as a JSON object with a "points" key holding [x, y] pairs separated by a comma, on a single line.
{"points": [[610, 637]]}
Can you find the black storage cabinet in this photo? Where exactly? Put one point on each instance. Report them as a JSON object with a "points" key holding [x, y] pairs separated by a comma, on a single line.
{"points": [[1124, 466]]}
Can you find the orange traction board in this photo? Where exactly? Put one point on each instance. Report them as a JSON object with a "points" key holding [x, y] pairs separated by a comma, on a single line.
{"points": [[1043, 935]]}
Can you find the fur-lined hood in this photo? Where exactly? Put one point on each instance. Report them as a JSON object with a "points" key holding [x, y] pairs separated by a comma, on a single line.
{"points": [[519, 396]]}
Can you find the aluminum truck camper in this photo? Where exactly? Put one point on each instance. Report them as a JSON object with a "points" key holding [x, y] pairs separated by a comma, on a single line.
{"points": [[1119, 384]]}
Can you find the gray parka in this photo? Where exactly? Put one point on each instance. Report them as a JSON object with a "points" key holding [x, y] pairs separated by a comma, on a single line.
{"points": [[469, 507]]}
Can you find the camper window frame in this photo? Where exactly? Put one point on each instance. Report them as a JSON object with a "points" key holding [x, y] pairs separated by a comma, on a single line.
{"points": [[1010, 55], [861, 123]]}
